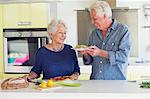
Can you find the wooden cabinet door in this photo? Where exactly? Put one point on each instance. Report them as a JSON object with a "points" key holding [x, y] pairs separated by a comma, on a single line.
{"points": [[39, 15]]}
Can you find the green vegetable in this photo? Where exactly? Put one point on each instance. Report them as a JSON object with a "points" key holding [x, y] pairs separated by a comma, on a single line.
{"points": [[145, 84], [69, 83]]}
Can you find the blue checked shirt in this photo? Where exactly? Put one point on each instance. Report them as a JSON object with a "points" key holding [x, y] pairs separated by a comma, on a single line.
{"points": [[117, 43]]}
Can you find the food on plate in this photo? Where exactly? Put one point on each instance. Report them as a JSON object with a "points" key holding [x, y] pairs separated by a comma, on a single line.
{"points": [[50, 83], [61, 78], [14, 83], [81, 46]]}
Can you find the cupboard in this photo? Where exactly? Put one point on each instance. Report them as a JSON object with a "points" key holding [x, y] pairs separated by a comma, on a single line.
{"points": [[25, 15], [138, 72]]}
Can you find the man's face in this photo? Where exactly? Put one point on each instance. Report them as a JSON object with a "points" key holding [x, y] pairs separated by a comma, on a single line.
{"points": [[98, 21]]}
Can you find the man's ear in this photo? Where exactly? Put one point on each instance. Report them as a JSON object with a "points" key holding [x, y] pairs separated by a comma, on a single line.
{"points": [[105, 16]]}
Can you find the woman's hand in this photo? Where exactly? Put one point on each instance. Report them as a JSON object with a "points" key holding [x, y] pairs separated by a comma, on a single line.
{"points": [[30, 76], [74, 76]]}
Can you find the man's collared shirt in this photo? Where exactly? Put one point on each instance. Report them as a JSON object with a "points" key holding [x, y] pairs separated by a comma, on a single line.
{"points": [[117, 43]]}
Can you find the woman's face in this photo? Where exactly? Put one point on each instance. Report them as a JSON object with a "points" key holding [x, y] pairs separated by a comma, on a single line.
{"points": [[60, 35]]}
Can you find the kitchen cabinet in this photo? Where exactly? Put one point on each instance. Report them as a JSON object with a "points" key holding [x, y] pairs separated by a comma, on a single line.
{"points": [[138, 72], [25, 15], [20, 14], [135, 71], [39, 15], [84, 76], [1, 44]]}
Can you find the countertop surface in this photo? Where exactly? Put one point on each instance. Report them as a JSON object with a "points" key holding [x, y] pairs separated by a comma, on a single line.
{"points": [[91, 86]]}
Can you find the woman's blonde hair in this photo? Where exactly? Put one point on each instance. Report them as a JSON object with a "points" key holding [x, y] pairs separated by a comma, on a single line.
{"points": [[101, 8]]}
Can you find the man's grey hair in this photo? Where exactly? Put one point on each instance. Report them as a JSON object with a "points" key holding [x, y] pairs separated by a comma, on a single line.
{"points": [[102, 8], [53, 25]]}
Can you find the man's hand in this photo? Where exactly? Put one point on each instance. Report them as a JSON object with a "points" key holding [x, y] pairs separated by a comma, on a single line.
{"points": [[83, 52], [95, 51], [92, 50]]}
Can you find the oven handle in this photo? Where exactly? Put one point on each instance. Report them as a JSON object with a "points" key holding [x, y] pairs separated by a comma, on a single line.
{"points": [[5, 54], [39, 42], [42, 41]]}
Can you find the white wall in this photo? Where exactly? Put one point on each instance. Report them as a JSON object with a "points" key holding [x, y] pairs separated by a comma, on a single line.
{"points": [[66, 12]]}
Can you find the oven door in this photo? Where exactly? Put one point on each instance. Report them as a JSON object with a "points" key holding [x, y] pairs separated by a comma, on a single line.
{"points": [[19, 53]]}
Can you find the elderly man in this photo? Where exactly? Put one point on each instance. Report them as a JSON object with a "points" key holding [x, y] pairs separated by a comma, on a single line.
{"points": [[109, 44]]}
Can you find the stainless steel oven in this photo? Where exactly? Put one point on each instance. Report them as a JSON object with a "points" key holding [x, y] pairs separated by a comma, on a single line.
{"points": [[20, 46]]}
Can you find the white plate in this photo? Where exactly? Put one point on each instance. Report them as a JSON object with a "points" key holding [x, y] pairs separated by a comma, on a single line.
{"points": [[81, 49]]}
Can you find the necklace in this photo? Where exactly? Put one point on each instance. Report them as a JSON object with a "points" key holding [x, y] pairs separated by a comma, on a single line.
{"points": [[57, 49]]}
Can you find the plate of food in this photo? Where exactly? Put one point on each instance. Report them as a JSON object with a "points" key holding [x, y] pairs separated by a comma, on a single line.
{"points": [[61, 78], [81, 47]]}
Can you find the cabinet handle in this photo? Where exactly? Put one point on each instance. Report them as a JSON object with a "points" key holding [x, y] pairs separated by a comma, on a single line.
{"points": [[23, 23], [145, 77], [19, 34]]}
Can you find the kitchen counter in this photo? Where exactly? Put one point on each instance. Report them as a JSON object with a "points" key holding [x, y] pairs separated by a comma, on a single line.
{"points": [[88, 89]]}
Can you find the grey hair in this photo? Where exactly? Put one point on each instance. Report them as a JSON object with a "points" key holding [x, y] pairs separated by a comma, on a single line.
{"points": [[53, 25], [102, 8]]}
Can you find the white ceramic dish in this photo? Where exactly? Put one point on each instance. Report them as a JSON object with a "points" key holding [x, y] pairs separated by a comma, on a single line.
{"points": [[81, 49]]}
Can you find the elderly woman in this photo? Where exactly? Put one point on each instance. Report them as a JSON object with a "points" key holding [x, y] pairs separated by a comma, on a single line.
{"points": [[55, 59], [111, 41]]}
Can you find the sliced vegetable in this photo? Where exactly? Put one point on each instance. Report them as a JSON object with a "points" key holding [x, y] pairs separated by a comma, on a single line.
{"points": [[69, 83]]}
